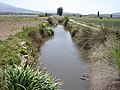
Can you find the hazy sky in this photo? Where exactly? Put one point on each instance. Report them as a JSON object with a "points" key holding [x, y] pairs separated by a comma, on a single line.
{"points": [[78, 6]]}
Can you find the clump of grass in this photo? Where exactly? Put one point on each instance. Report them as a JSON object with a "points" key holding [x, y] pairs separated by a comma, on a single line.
{"points": [[116, 54], [103, 44], [36, 38], [18, 78], [90, 38]]}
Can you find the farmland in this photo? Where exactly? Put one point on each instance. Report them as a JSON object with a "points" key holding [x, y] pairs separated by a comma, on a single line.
{"points": [[10, 25], [99, 23]]}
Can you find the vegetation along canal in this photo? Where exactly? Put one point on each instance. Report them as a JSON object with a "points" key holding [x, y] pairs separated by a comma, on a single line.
{"points": [[62, 58]]}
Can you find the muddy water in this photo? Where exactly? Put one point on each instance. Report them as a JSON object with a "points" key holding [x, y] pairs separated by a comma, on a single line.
{"points": [[62, 58]]}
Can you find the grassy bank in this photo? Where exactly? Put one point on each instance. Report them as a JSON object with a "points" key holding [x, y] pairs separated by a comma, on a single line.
{"points": [[102, 50], [18, 54], [23, 45], [89, 39]]}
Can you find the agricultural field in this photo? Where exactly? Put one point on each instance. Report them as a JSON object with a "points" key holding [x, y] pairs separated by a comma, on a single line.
{"points": [[10, 25], [99, 23]]}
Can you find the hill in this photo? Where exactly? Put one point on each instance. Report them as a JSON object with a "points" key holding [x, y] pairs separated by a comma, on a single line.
{"points": [[4, 8], [116, 13]]}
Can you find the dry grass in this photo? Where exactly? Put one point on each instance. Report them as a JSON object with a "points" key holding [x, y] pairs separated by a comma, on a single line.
{"points": [[10, 25], [99, 47]]}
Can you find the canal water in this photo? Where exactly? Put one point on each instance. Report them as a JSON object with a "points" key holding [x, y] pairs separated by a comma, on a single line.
{"points": [[61, 57]]}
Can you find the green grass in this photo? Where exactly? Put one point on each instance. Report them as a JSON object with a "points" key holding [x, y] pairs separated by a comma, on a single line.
{"points": [[97, 22], [18, 78], [15, 75], [10, 50], [116, 55]]}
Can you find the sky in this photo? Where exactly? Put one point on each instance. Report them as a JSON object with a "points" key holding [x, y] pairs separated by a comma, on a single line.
{"points": [[73, 6]]}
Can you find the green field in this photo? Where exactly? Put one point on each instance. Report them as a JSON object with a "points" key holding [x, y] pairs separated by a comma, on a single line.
{"points": [[97, 22]]}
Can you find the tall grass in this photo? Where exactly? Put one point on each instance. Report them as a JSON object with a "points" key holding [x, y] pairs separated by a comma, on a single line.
{"points": [[102, 44], [98, 37], [116, 55], [18, 78]]}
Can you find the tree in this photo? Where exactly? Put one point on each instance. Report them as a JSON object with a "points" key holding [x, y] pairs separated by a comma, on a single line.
{"points": [[46, 14], [98, 14], [80, 15], [73, 14], [60, 11], [111, 16]]}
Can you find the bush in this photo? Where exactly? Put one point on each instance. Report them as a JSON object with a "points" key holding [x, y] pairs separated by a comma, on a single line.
{"points": [[53, 20]]}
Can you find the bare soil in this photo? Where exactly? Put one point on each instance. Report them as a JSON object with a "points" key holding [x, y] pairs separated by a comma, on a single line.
{"points": [[10, 25], [103, 76]]}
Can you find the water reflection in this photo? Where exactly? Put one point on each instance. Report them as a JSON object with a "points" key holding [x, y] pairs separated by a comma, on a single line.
{"points": [[62, 58]]}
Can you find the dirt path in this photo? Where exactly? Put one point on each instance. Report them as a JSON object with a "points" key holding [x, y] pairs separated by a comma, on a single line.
{"points": [[84, 25], [102, 76]]}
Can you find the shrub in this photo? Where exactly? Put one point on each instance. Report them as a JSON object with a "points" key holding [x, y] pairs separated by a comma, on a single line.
{"points": [[49, 31]]}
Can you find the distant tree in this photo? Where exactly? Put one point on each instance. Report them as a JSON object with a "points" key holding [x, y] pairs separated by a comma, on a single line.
{"points": [[73, 14], [46, 14], [111, 16], [80, 15], [60, 11], [98, 14]]}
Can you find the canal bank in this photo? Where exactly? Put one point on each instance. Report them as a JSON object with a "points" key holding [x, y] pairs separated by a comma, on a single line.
{"points": [[97, 45]]}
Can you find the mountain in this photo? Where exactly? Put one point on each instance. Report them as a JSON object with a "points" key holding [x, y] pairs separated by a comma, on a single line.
{"points": [[8, 8], [116, 13], [71, 14]]}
